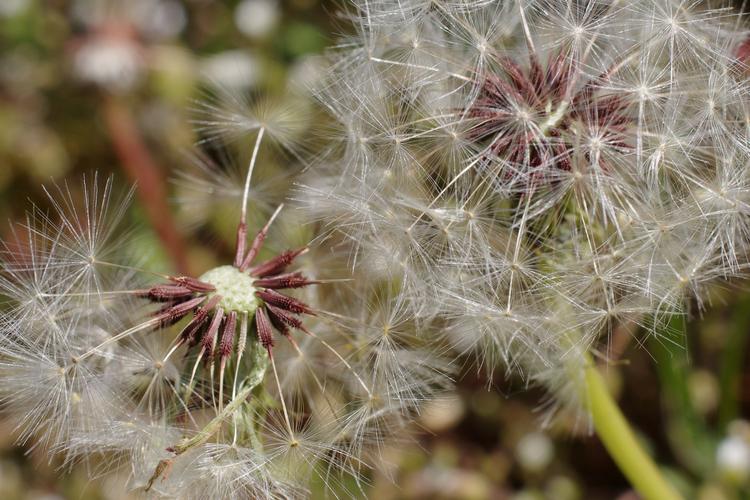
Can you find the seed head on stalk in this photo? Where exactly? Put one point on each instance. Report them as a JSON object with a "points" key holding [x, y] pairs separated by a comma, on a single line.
{"points": [[538, 173], [244, 381]]}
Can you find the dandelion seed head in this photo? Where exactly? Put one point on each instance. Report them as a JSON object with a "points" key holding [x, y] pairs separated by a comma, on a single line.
{"points": [[250, 379], [534, 174]]}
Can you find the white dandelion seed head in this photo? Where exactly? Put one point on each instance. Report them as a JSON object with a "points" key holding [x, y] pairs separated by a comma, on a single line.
{"points": [[537, 173], [256, 378]]}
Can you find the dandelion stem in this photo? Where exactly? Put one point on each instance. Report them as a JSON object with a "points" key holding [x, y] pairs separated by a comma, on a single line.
{"points": [[209, 430], [140, 165], [202, 436], [620, 441]]}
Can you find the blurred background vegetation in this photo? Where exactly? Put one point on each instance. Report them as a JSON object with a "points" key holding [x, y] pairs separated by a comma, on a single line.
{"points": [[108, 86]]}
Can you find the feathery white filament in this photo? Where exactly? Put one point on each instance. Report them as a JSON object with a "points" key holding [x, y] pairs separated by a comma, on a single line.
{"points": [[250, 168]]}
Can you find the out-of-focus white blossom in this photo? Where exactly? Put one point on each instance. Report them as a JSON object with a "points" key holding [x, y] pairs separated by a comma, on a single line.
{"points": [[733, 454], [113, 53], [9, 8], [112, 62], [256, 18], [159, 19], [733, 458], [233, 69], [535, 451]]}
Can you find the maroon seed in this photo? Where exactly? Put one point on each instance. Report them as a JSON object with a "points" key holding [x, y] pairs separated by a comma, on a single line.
{"points": [[277, 264], [193, 284], [189, 334], [284, 302], [227, 336], [286, 318], [263, 326], [290, 280], [255, 247], [163, 293], [207, 344], [171, 314]]}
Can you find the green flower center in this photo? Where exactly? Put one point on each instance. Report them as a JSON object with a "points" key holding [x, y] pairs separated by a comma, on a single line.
{"points": [[235, 288]]}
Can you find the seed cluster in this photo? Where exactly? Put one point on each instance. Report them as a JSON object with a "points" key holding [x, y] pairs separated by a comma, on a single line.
{"points": [[219, 298], [535, 117], [538, 173]]}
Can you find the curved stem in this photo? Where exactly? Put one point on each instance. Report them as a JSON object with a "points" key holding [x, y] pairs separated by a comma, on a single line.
{"points": [[621, 443], [164, 466], [139, 164]]}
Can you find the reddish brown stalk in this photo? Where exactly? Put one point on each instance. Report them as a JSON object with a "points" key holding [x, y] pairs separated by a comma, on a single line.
{"points": [[622, 336], [139, 164]]}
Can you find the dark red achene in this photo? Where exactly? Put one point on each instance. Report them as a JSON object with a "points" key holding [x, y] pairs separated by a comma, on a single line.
{"points": [[531, 115]]}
